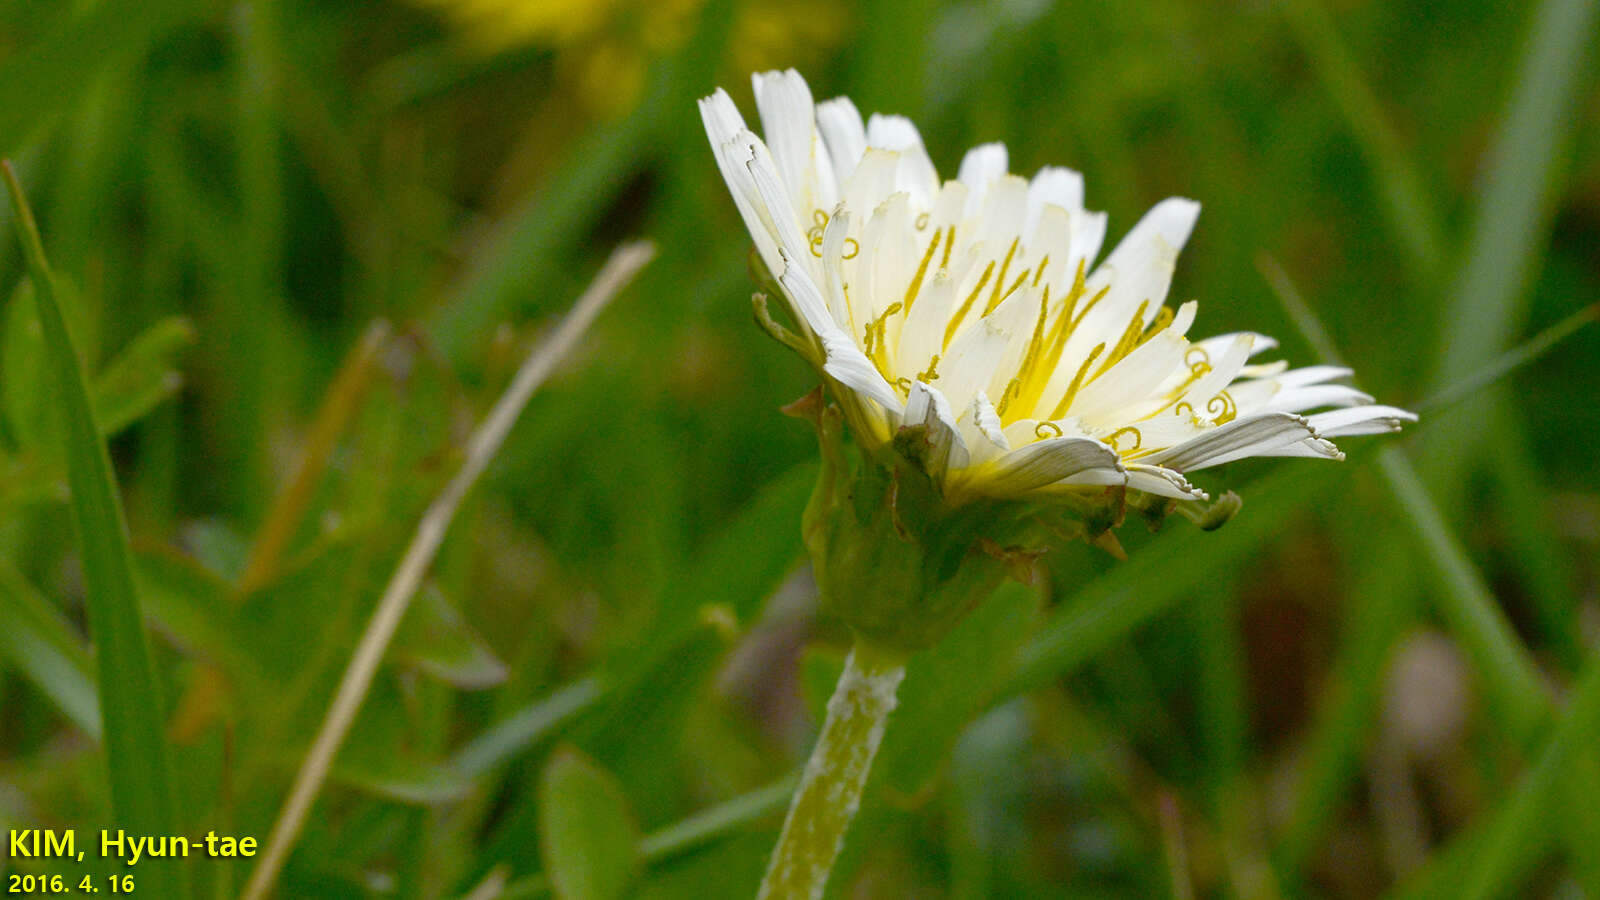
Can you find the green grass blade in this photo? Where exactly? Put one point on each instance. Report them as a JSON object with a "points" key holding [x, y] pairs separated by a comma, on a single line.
{"points": [[53, 75], [688, 834], [1523, 354], [1505, 844], [45, 649], [1109, 608], [1412, 214], [130, 709], [716, 821], [1467, 606], [526, 727], [1381, 607], [1517, 202]]}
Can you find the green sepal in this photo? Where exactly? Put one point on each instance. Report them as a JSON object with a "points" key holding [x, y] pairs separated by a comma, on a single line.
{"points": [[763, 314], [892, 559]]}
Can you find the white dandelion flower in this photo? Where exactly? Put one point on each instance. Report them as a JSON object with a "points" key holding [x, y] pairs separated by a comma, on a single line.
{"points": [[976, 307]]}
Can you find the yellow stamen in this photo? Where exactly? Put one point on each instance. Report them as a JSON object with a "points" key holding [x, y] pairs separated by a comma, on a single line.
{"points": [[1163, 319], [932, 372], [1129, 340], [916, 280], [1138, 440], [949, 245], [1035, 346], [1043, 263], [1222, 408], [961, 313], [1077, 381], [877, 350], [1036, 375], [1000, 282], [1010, 290], [1197, 371], [1012, 387], [814, 234]]}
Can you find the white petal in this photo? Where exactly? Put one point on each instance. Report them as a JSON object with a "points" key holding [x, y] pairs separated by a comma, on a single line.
{"points": [[1312, 375], [1311, 397], [1096, 478], [1053, 186], [1138, 270], [1216, 346], [874, 180], [804, 294], [834, 235], [1360, 420], [917, 175], [982, 165], [845, 361], [1050, 235], [1047, 462], [731, 146], [785, 222], [982, 431], [1235, 440], [843, 134], [1205, 395], [1005, 211], [922, 336], [1134, 379], [1173, 219], [851, 368], [1163, 482], [926, 406], [788, 120], [973, 359], [1088, 233]]}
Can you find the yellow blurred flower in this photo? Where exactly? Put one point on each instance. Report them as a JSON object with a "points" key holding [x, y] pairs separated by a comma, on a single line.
{"points": [[605, 46]]}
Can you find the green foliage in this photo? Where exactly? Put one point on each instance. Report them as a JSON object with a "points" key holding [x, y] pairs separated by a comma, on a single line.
{"points": [[615, 666], [588, 833], [130, 697]]}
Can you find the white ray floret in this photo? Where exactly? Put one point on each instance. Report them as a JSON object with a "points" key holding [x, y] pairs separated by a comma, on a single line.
{"points": [[974, 309]]}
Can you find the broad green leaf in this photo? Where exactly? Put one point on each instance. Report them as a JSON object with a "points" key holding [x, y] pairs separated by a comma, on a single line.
{"points": [[588, 837]]}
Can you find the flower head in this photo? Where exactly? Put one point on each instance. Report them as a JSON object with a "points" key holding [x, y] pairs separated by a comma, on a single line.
{"points": [[974, 309]]}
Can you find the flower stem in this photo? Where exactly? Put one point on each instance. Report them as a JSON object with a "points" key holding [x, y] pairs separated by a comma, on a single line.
{"points": [[830, 790]]}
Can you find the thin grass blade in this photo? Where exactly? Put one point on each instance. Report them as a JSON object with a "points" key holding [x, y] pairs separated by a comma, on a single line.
{"points": [[136, 752]]}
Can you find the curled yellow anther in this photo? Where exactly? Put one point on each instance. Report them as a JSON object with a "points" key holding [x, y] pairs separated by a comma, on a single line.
{"points": [[1138, 439], [1222, 408]]}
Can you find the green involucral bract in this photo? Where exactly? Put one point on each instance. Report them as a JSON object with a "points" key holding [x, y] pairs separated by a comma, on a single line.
{"points": [[892, 559]]}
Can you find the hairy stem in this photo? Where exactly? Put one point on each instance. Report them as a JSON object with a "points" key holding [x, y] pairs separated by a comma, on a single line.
{"points": [[830, 790]]}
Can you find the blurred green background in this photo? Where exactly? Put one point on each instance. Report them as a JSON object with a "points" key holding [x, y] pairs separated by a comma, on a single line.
{"points": [[1378, 680]]}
